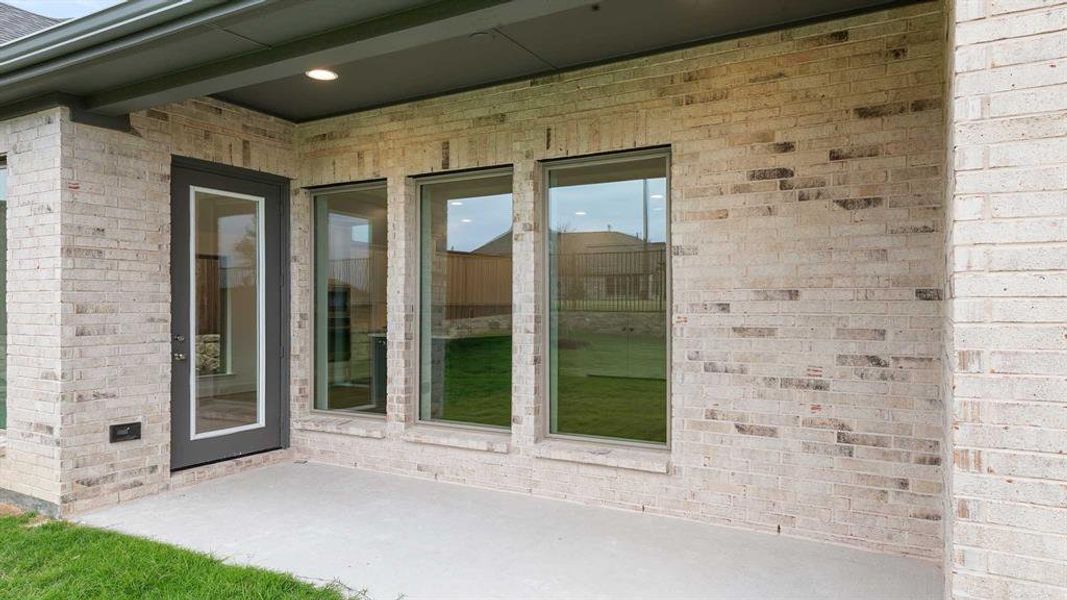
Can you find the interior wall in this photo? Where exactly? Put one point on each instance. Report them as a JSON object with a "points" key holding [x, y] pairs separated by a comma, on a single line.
{"points": [[808, 272]]}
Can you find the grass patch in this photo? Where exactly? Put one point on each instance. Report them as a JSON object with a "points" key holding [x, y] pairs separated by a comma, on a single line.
{"points": [[612, 386], [478, 380], [54, 560], [608, 385]]}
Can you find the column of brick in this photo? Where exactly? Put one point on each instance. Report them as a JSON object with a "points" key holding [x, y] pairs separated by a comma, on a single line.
{"points": [[1008, 306], [31, 465], [116, 314]]}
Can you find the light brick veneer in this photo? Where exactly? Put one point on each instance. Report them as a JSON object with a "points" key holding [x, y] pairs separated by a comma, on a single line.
{"points": [[35, 374], [1008, 307], [807, 273], [807, 276], [89, 291]]}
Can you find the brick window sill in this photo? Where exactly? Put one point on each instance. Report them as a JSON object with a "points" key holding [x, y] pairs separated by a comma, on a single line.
{"points": [[649, 460], [455, 437], [358, 426]]}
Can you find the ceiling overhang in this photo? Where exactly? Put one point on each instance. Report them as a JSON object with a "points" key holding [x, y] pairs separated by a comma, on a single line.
{"points": [[254, 52]]}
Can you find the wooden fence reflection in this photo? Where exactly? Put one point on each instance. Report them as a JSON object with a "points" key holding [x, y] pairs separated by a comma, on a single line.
{"points": [[480, 285]]}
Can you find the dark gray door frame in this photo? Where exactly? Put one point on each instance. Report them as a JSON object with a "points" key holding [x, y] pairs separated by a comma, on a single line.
{"points": [[186, 172]]}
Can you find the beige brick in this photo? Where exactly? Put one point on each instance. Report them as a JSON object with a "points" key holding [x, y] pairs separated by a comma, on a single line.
{"points": [[807, 224], [1008, 476]]}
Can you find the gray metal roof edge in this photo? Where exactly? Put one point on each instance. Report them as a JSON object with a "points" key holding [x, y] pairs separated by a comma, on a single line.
{"points": [[99, 29], [66, 31]]}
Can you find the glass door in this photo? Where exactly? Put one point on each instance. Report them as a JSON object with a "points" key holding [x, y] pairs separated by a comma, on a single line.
{"points": [[229, 330]]}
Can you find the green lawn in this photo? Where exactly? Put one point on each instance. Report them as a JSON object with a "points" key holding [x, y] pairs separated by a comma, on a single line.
{"points": [[609, 385], [55, 560], [478, 380], [612, 386]]}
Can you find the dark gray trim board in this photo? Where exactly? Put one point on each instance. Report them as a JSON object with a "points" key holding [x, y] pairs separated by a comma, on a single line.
{"points": [[225, 170], [78, 112]]}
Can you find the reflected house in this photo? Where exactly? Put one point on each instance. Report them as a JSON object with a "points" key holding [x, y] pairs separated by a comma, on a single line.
{"points": [[610, 271]]}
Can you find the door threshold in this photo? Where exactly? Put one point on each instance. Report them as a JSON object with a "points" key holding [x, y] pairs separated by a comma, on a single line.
{"points": [[225, 459]]}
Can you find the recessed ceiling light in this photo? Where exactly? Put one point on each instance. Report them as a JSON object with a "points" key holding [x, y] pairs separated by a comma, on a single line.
{"points": [[465, 220], [656, 196], [321, 74], [456, 203], [580, 213]]}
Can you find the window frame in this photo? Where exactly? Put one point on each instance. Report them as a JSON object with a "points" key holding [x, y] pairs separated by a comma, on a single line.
{"points": [[418, 182], [547, 399], [315, 193]]}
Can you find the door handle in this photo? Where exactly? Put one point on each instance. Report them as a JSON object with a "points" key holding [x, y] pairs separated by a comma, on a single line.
{"points": [[179, 356]]}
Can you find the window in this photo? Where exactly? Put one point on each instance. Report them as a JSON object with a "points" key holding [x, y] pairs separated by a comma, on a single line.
{"points": [[3, 292], [607, 286], [227, 235], [465, 287], [350, 299]]}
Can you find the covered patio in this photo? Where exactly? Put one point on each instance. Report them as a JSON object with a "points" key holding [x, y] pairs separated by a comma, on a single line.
{"points": [[396, 535], [783, 281]]}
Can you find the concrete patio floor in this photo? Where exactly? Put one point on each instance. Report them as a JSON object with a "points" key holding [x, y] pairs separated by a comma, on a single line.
{"points": [[395, 535]]}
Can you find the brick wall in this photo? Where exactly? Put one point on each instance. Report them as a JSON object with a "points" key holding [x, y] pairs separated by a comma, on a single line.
{"points": [[89, 291], [35, 370], [1008, 311], [117, 290], [115, 312], [807, 186]]}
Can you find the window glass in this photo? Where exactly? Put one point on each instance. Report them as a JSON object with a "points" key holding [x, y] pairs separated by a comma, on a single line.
{"points": [[3, 292], [350, 306], [465, 317], [227, 312], [607, 246]]}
